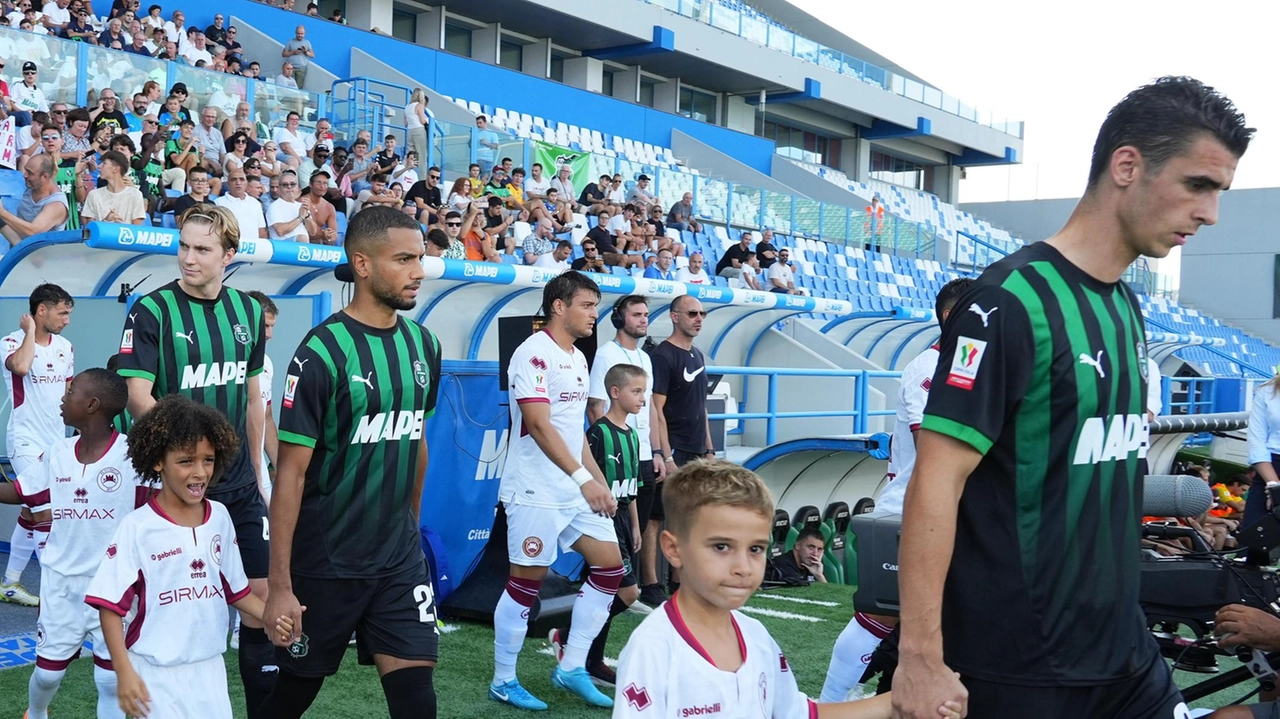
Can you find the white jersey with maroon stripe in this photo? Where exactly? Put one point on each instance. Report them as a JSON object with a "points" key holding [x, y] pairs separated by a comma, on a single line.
{"points": [[172, 584], [88, 502], [665, 672], [35, 420], [541, 371], [913, 395]]}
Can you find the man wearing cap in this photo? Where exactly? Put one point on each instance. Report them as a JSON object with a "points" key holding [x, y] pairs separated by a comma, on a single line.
{"points": [[641, 196], [299, 53], [27, 95]]}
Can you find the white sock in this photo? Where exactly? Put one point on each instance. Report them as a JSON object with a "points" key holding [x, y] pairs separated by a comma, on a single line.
{"points": [[510, 624], [108, 697], [40, 690], [590, 612], [849, 659], [41, 538], [21, 546]]}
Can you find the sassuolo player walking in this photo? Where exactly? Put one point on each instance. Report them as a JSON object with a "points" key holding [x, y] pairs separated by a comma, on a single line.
{"points": [[344, 511]]}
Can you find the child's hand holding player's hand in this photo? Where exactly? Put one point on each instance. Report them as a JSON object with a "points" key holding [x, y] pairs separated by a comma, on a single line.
{"points": [[950, 710], [284, 627], [134, 698]]}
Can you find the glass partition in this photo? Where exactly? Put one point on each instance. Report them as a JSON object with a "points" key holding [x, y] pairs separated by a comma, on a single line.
{"points": [[56, 59], [807, 217], [455, 149], [672, 185], [710, 199], [746, 206], [123, 72], [273, 103], [835, 223], [755, 30], [725, 18], [777, 211], [600, 165]]}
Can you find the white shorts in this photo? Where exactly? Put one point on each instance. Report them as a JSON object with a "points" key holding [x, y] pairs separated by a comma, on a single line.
{"points": [[66, 621], [186, 691], [533, 533]]}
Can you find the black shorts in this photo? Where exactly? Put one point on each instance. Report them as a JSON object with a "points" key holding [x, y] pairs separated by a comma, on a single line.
{"points": [[626, 547], [393, 615], [648, 496], [1150, 694], [253, 534]]}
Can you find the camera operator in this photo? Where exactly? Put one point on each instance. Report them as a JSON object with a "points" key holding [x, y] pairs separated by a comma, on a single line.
{"points": [[1241, 626]]}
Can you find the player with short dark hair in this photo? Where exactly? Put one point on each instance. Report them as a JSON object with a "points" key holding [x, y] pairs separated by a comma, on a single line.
{"points": [[353, 455], [1029, 473], [88, 485], [204, 340], [554, 495], [38, 365]]}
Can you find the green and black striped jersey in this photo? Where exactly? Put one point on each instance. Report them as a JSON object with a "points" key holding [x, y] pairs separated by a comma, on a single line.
{"points": [[204, 349], [359, 396], [617, 453], [1043, 372]]}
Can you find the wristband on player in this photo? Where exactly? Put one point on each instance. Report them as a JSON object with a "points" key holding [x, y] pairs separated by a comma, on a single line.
{"points": [[581, 476]]}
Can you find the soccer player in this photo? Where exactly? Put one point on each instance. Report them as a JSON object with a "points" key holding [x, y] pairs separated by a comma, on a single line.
{"points": [[630, 316], [38, 365], [854, 646], [89, 485], [349, 485], [554, 495], [171, 570], [698, 654], [1020, 526], [201, 339], [615, 446]]}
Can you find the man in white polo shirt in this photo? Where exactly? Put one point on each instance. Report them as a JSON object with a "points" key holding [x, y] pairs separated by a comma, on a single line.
{"points": [[248, 211]]}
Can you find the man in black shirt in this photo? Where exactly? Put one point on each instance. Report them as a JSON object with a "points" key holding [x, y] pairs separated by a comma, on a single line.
{"points": [[591, 261], [765, 250], [801, 566], [386, 161], [1018, 562], [730, 264], [108, 114], [592, 196], [425, 195], [199, 195]]}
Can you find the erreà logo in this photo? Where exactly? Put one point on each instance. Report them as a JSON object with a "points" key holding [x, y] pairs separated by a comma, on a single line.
{"points": [[389, 426], [213, 374], [493, 455], [1111, 438]]}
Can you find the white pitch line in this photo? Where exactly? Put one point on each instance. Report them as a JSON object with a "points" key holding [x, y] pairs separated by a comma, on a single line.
{"points": [[798, 600], [778, 615]]}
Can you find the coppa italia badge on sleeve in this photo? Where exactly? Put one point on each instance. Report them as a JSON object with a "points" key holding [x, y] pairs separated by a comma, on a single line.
{"points": [[964, 366]]}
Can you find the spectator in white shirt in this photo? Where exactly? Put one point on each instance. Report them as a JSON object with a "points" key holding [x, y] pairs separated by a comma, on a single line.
{"points": [[563, 183], [119, 201], [56, 16], [779, 276], [292, 147], [27, 94], [248, 210], [557, 261], [197, 50], [616, 194], [174, 31], [750, 277], [694, 274], [285, 78], [287, 218], [535, 188]]}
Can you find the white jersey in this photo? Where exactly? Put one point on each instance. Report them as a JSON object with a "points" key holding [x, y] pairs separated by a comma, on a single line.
{"points": [[264, 385], [172, 584], [913, 395], [88, 502], [35, 421], [665, 672], [611, 354], [541, 371]]}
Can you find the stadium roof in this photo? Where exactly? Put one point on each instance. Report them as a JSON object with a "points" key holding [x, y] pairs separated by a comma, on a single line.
{"points": [[811, 27]]}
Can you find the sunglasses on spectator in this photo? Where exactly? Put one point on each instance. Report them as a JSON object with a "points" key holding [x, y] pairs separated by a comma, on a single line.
{"points": [[695, 313], [433, 177], [453, 224], [28, 72], [56, 112], [588, 249], [288, 184], [242, 141], [48, 138]]}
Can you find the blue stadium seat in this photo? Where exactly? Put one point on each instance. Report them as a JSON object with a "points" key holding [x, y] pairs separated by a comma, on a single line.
{"points": [[11, 183]]}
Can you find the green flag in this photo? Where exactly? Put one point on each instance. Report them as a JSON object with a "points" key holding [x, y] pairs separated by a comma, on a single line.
{"points": [[552, 157]]}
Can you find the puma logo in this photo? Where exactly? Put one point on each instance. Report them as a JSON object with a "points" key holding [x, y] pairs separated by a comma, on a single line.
{"points": [[974, 308], [300, 362], [367, 381], [132, 315], [186, 336], [616, 457], [1094, 363]]}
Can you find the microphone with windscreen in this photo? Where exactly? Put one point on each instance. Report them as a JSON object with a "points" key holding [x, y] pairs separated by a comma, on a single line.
{"points": [[1171, 495]]}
